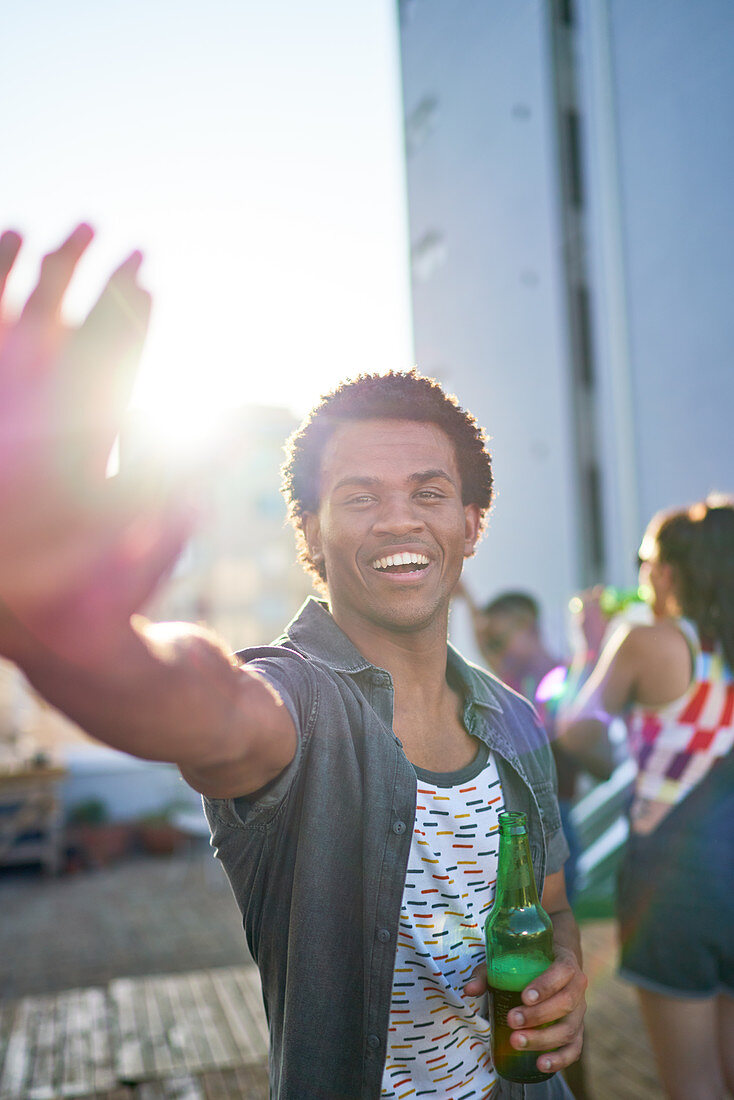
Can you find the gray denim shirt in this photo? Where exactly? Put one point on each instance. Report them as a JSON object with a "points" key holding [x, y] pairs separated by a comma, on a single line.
{"points": [[317, 859]]}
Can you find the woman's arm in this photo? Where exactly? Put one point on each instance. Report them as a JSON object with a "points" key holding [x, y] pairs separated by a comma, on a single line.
{"points": [[649, 665]]}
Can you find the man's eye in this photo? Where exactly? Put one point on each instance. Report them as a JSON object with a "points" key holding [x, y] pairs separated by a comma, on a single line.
{"points": [[430, 494], [363, 498]]}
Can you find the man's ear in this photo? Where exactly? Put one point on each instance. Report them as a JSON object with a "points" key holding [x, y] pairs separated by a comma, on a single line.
{"points": [[471, 528], [312, 535]]}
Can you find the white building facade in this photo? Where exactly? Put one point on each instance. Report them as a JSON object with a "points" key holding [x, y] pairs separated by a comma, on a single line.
{"points": [[572, 234]]}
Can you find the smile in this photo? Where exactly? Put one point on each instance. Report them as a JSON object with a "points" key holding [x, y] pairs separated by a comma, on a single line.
{"points": [[405, 562]]}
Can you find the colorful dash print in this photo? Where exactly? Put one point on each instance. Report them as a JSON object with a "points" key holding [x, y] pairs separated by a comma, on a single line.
{"points": [[438, 1040]]}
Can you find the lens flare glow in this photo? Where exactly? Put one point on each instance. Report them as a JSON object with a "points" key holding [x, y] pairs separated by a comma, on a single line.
{"points": [[552, 686]]}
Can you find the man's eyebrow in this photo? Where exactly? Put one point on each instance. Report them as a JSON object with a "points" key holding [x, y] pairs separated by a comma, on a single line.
{"points": [[354, 479], [431, 475], [418, 478]]}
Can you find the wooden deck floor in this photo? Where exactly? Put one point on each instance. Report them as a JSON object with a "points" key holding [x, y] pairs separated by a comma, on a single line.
{"points": [[195, 1036], [202, 1036]]}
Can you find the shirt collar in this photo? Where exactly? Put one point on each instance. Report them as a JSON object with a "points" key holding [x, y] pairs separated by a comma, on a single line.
{"points": [[314, 632]]}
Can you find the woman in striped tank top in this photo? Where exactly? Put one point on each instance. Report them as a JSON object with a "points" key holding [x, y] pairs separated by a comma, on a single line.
{"points": [[673, 681]]}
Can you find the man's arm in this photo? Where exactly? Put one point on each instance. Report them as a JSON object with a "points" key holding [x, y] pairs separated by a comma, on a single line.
{"points": [[552, 1017], [172, 692], [80, 553]]}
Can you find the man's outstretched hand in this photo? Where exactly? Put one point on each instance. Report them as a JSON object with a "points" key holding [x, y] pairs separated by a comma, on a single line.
{"points": [[79, 552]]}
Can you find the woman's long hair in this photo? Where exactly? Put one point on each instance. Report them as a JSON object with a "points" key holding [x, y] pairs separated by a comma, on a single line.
{"points": [[698, 542]]}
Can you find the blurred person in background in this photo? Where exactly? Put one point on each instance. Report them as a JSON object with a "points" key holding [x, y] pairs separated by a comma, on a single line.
{"points": [[673, 681], [508, 634], [509, 637]]}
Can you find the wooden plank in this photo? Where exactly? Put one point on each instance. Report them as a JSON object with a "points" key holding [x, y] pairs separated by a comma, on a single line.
{"points": [[240, 1083], [77, 1079], [129, 1058], [160, 1024], [246, 1035], [18, 1062], [228, 1084], [176, 1087], [254, 1082], [221, 1047], [178, 1040], [248, 982], [7, 1014], [219, 1083], [41, 1084], [187, 1023], [102, 1037]]}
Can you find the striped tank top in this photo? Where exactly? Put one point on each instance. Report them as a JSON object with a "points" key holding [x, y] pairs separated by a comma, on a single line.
{"points": [[675, 746]]}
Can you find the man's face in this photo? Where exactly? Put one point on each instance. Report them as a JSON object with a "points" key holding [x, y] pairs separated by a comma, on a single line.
{"points": [[391, 527], [509, 643]]}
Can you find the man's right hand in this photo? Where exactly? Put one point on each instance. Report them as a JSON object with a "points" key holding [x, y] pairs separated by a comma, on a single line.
{"points": [[79, 552]]}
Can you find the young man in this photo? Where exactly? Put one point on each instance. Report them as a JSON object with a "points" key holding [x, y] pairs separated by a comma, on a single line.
{"points": [[323, 760]]}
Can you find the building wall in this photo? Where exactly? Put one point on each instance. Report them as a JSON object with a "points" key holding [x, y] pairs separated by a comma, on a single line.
{"points": [[487, 271], [655, 84], [671, 75]]}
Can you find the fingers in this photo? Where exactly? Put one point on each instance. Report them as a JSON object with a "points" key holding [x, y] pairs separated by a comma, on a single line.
{"points": [[57, 268], [553, 994], [100, 364], [559, 1044], [32, 344], [152, 551], [477, 984], [553, 1022], [10, 243], [107, 572]]}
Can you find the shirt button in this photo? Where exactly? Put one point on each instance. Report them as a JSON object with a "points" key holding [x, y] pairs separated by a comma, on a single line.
{"points": [[383, 935], [398, 827], [373, 1041]]}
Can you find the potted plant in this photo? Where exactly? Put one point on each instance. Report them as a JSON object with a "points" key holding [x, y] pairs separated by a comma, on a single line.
{"points": [[157, 834], [93, 839]]}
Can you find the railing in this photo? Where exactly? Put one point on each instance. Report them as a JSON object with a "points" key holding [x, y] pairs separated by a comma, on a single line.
{"points": [[600, 821]]}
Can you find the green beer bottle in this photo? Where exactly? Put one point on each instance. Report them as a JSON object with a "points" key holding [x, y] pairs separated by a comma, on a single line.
{"points": [[519, 938], [614, 600]]}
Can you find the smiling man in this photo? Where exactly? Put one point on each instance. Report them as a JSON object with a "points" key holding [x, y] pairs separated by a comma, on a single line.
{"points": [[352, 772]]}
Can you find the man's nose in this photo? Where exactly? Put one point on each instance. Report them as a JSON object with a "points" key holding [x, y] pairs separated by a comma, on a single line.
{"points": [[398, 515]]}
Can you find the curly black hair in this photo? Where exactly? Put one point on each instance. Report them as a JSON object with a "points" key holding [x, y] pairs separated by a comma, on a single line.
{"points": [[698, 542], [397, 395]]}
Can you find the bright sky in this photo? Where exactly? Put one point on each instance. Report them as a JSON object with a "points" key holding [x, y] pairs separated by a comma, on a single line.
{"points": [[252, 150]]}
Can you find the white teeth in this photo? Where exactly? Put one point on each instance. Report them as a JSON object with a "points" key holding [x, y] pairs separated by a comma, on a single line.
{"points": [[400, 559]]}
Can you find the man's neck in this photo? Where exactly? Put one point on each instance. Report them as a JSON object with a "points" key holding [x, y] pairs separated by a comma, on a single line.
{"points": [[411, 656], [426, 714]]}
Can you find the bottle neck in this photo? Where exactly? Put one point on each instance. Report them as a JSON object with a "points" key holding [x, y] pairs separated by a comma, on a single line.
{"points": [[516, 888]]}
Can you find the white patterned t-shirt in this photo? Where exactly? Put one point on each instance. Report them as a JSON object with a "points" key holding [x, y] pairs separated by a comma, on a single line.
{"points": [[438, 1039]]}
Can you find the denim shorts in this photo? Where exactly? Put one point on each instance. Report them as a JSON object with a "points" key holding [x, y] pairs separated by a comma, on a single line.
{"points": [[675, 899]]}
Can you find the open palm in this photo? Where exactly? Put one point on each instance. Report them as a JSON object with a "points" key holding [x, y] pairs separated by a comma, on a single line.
{"points": [[78, 551]]}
